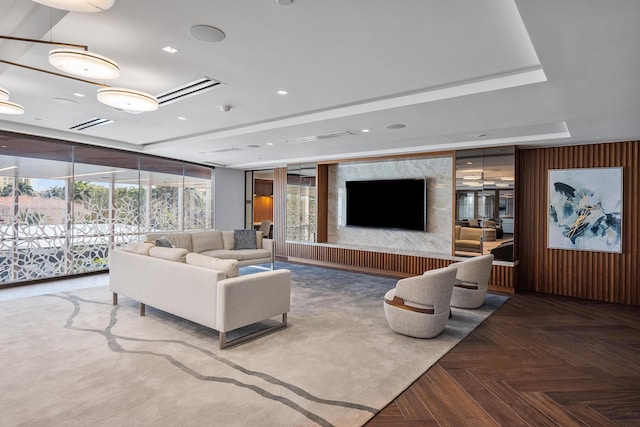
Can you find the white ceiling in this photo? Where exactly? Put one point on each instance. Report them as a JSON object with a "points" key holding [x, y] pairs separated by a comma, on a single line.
{"points": [[458, 73]]}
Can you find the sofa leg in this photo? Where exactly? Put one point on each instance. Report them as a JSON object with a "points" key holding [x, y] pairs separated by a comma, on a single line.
{"points": [[142, 309], [225, 344], [115, 299]]}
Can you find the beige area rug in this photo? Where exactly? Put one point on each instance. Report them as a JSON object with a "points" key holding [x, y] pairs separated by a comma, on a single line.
{"points": [[71, 358]]}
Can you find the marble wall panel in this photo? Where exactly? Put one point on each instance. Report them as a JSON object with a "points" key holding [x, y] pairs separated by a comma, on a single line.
{"points": [[438, 172]]}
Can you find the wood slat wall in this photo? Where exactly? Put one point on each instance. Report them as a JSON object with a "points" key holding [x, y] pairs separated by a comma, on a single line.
{"points": [[597, 276], [503, 278]]}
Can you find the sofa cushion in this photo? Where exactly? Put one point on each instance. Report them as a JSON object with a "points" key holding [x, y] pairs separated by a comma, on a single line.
{"points": [[171, 254], [228, 266], [163, 242], [244, 239], [206, 240], [227, 239], [253, 254], [224, 254], [141, 248], [178, 240]]}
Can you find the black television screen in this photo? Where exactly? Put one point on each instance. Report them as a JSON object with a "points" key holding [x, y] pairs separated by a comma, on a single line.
{"points": [[396, 203]]}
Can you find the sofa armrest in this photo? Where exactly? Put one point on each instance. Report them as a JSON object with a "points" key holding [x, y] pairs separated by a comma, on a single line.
{"points": [[270, 245], [248, 299]]}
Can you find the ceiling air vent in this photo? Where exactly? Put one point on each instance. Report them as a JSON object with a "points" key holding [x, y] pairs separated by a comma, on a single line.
{"points": [[190, 89], [96, 121], [317, 137], [221, 150]]}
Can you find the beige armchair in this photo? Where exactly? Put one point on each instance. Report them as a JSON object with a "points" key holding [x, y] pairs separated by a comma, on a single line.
{"points": [[419, 306], [473, 281]]}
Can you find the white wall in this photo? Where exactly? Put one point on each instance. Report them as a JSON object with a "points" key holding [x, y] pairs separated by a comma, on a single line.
{"points": [[437, 239], [228, 205]]}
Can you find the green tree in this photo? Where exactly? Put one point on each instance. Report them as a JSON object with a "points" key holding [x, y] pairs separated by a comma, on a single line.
{"points": [[24, 188]]}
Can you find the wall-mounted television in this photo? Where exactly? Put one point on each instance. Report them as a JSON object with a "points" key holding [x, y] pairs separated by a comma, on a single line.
{"points": [[394, 203]]}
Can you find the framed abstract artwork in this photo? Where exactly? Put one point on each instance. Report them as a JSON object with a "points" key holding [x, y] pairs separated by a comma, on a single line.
{"points": [[585, 209]]}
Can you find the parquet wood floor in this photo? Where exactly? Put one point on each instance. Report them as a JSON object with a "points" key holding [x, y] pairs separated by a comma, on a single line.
{"points": [[540, 360]]}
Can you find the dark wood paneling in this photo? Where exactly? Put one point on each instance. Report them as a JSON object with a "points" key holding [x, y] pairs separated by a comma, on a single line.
{"points": [[262, 187], [597, 276], [322, 214], [503, 278]]}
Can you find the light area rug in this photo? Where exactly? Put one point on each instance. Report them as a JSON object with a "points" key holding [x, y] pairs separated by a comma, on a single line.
{"points": [[72, 358]]}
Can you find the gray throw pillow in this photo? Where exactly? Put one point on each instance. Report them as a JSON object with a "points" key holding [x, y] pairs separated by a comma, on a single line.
{"points": [[163, 242], [244, 239]]}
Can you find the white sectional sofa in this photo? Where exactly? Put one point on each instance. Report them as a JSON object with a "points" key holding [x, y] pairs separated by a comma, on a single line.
{"points": [[200, 288], [222, 244]]}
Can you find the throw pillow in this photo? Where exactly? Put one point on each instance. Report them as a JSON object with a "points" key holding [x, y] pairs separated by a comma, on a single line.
{"points": [[163, 242], [228, 266], [244, 239], [171, 254], [141, 248]]}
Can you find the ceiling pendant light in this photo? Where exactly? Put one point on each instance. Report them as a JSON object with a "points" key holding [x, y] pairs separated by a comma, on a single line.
{"points": [[4, 94], [127, 99], [87, 6], [7, 107], [84, 64]]}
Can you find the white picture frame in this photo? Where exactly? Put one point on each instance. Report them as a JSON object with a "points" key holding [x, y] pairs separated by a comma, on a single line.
{"points": [[584, 209]]}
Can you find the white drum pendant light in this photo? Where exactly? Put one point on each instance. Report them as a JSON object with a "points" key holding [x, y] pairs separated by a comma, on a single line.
{"points": [[84, 64], [7, 107], [127, 99], [87, 6]]}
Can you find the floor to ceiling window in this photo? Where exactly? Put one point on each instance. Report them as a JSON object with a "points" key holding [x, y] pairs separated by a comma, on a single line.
{"points": [[301, 202], [63, 206]]}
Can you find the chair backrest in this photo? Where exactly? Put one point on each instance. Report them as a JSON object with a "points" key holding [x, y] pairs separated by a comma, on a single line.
{"points": [[474, 222], [265, 227], [488, 223], [469, 233], [475, 270], [433, 288]]}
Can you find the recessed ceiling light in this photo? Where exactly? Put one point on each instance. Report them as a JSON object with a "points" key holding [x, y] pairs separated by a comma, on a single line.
{"points": [[170, 49], [79, 95], [182, 118], [270, 143], [365, 130], [469, 163], [395, 126], [282, 92]]}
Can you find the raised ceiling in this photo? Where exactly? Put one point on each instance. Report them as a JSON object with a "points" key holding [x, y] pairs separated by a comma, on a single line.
{"points": [[458, 74]]}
